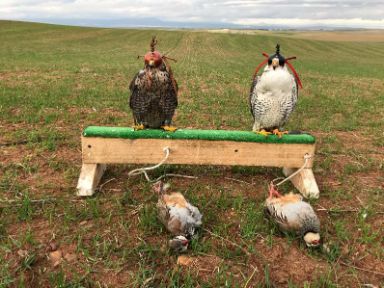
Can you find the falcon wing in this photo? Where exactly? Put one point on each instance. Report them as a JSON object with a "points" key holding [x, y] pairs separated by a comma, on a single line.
{"points": [[254, 83], [173, 80], [259, 105], [132, 84], [133, 87], [168, 102], [138, 101], [290, 104]]}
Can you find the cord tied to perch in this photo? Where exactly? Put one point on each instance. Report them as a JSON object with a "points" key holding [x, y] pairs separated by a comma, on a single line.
{"points": [[273, 186], [144, 170]]}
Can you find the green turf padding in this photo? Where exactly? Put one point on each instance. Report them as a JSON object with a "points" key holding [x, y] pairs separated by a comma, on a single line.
{"points": [[195, 134]]}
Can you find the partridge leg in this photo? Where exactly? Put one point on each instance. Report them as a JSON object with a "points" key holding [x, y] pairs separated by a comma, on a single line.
{"points": [[273, 192]]}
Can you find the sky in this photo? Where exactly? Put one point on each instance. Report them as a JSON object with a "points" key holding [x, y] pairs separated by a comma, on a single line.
{"points": [[246, 13]]}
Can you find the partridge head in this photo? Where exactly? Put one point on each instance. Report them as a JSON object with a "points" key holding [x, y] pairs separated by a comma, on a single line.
{"points": [[179, 244]]}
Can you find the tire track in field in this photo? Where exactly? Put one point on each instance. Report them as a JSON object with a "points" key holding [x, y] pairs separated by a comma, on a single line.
{"points": [[189, 54], [217, 48]]}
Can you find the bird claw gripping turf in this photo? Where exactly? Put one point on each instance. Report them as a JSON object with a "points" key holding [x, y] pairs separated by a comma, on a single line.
{"points": [[138, 127], [263, 132], [169, 128], [279, 133]]}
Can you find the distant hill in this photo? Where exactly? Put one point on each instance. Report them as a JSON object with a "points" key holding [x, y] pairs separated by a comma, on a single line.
{"points": [[151, 22]]}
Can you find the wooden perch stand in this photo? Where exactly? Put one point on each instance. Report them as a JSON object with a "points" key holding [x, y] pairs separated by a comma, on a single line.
{"points": [[114, 145]]}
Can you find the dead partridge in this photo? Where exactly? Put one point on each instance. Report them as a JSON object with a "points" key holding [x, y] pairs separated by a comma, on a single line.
{"points": [[292, 214], [179, 217]]}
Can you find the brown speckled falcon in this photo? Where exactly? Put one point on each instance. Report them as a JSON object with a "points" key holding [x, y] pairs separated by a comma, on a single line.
{"points": [[154, 93]]}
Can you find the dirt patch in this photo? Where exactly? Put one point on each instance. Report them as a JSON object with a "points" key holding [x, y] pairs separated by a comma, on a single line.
{"points": [[285, 261], [204, 266], [288, 263]]}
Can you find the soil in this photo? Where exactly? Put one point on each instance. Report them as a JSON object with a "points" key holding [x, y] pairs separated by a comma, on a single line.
{"points": [[285, 260]]}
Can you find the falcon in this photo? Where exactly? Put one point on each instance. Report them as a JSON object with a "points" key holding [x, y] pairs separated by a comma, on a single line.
{"points": [[273, 94], [154, 92], [292, 214], [179, 216]]}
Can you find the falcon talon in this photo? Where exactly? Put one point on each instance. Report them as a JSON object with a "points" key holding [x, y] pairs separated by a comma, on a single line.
{"points": [[279, 133], [263, 132], [168, 128], [138, 127]]}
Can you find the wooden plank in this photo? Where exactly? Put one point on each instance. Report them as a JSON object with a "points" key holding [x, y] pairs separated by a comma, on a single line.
{"points": [[196, 152], [90, 176], [304, 181]]}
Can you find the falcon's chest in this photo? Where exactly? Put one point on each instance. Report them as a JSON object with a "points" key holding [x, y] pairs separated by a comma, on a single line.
{"points": [[153, 79], [275, 85]]}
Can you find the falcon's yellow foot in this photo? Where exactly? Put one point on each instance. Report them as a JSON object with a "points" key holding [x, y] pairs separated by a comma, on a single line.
{"points": [[263, 132], [169, 128], [279, 133], [138, 127]]}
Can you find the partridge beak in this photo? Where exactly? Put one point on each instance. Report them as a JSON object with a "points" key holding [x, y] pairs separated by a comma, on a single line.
{"points": [[184, 242], [151, 62], [275, 63], [315, 242]]}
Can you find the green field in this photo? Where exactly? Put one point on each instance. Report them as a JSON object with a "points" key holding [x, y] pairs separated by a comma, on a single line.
{"points": [[57, 80]]}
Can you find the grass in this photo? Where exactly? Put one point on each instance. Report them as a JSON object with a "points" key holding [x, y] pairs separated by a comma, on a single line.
{"points": [[56, 80]]}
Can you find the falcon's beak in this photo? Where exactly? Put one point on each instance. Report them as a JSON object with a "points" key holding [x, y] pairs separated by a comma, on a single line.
{"points": [[275, 62]]}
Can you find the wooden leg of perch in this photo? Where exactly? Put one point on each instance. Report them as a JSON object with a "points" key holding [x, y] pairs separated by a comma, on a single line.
{"points": [[304, 181], [90, 176]]}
